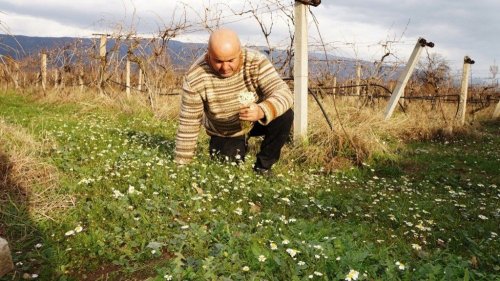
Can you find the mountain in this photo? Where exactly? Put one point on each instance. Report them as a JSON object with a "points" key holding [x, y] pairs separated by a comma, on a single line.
{"points": [[20, 46], [182, 54]]}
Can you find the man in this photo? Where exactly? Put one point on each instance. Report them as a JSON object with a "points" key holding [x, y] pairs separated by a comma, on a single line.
{"points": [[211, 96]]}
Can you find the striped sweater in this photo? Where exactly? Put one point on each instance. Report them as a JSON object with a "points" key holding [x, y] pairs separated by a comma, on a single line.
{"points": [[213, 101]]}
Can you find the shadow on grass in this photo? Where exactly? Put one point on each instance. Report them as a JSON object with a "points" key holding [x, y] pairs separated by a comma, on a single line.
{"points": [[165, 145], [16, 226]]}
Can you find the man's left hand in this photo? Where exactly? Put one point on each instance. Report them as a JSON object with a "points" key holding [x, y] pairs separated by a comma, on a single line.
{"points": [[251, 112]]}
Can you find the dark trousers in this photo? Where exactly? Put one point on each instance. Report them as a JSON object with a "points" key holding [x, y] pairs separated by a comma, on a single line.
{"points": [[276, 133]]}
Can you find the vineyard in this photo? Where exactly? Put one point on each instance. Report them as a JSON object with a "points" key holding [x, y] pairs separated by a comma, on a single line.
{"points": [[89, 189]]}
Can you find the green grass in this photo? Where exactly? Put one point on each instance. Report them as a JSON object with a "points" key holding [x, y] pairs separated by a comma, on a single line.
{"points": [[433, 208]]}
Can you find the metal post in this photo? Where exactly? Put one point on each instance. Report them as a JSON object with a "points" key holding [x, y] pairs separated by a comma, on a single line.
{"points": [[300, 73], [463, 92], [405, 76]]}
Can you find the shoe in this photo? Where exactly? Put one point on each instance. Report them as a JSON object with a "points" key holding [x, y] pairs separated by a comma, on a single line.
{"points": [[263, 172]]}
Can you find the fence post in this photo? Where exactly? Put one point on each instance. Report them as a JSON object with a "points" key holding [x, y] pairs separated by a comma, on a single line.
{"points": [[139, 80], [496, 113], [127, 78], [358, 79], [300, 72], [80, 78], [462, 105], [405, 75], [43, 70], [102, 57], [334, 90], [56, 77]]}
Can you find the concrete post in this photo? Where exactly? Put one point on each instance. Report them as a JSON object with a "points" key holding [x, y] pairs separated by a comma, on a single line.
{"points": [[300, 73], [127, 78], [43, 70], [358, 80], [6, 264], [139, 80], [462, 106], [405, 76], [496, 113]]}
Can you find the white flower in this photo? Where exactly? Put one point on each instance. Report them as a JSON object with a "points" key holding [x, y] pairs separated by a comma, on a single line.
{"points": [[167, 277], [246, 98], [285, 242], [245, 268], [400, 265], [416, 247], [292, 252], [352, 275], [273, 246], [262, 258], [483, 217], [318, 273], [78, 229], [301, 263], [238, 211], [185, 227], [131, 189], [117, 194], [38, 246], [69, 233]]}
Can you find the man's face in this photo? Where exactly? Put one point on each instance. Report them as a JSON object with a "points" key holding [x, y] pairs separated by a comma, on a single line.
{"points": [[224, 64]]}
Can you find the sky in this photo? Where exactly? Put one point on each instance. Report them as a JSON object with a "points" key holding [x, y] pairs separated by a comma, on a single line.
{"points": [[356, 29]]}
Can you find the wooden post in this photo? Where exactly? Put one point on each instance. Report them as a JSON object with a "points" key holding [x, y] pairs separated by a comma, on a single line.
{"points": [[300, 73], [405, 76], [127, 78], [463, 92], [358, 79], [43, 70]]}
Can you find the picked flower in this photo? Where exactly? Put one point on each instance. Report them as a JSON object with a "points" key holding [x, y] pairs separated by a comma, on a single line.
{"points": [[246, 99]]}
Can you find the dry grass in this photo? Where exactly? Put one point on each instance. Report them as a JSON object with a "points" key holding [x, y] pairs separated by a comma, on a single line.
{"points": [[360, 132], [24, 177], [162, 106]]}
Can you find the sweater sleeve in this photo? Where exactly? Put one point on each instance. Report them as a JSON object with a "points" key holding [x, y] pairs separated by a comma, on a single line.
{"points": [[277, 95], [190, 116]]}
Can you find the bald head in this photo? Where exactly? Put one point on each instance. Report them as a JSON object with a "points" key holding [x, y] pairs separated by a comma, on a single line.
{"points": [[224, 42], [224, 49]]}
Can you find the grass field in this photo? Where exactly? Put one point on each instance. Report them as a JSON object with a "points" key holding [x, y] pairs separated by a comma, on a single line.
{"points": [[91, 193]]}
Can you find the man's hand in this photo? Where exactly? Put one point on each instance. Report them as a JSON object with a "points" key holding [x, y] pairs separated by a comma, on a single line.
{"points": [[251, 112]]}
